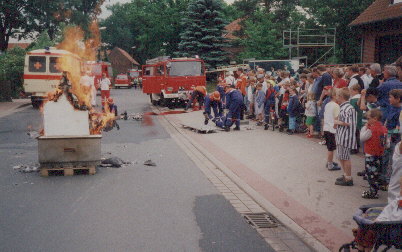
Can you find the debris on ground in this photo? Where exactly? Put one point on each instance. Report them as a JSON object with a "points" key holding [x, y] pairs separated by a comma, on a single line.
{"points": [[149, 162], [33, 134], [114, 162], [138, 116], [26, 168]]}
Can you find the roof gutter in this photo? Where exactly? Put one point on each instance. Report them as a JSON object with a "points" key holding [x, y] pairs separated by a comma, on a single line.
{"points": [[374, 21]]}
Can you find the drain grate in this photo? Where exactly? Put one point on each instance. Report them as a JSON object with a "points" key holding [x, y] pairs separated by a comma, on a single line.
{"points": [[261, 220]]}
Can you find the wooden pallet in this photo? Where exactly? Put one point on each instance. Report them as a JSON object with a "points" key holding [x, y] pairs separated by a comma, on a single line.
{"points": [[67, 171]]}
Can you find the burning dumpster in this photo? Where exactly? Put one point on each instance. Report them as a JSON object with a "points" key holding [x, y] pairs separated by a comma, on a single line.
{"points": [[67, 145]]}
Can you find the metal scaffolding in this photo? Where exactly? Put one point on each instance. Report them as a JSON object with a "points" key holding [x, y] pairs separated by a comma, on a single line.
{"points": [[309, 38]]}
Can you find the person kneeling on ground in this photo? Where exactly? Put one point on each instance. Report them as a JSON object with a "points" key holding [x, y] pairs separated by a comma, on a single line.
{"points": [[198, 94], [213, 101]]}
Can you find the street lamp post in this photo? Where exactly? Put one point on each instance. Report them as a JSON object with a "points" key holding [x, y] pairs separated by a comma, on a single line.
{"points": [[100, 41]]}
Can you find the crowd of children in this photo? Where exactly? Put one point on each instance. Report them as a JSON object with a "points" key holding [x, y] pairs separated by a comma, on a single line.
{"points": [[352, 109]]}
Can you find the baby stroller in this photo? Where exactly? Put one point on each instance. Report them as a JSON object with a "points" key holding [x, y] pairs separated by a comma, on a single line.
{"points": [[388, 233]]}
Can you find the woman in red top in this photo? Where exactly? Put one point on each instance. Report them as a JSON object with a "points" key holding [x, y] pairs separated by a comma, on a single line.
{"points": [[339, 82]]}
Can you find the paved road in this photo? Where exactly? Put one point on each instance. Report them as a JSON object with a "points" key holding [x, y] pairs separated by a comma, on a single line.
{"points": [[170, 207]]}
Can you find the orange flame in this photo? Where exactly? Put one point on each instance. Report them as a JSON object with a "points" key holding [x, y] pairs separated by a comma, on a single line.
{"points": [[75, 42]]}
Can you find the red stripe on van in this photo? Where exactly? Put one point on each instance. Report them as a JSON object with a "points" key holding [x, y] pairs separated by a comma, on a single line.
{"points": [[41, 77]]}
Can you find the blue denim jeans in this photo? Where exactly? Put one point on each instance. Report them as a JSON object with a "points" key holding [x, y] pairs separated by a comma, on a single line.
{"points": [[292, 122]]}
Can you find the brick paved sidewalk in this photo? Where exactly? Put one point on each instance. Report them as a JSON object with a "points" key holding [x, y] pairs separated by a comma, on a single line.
{"points": [[289, 172]]}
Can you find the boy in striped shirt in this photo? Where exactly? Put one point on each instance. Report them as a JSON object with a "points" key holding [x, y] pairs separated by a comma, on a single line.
{"points": [[345, 136]]}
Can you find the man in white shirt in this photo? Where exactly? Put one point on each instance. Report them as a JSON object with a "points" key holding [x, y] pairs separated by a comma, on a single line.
{"points": [[87, 83], [105, 88], [365, 77]]}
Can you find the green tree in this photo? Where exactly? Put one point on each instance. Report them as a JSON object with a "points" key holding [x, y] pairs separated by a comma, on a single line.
{"points": [[152, 27], [262, 38], [42, 41], [203, 32], [11, 71], [13, 18]]}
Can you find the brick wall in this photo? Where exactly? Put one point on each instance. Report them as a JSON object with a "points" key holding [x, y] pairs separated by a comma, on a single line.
{"points": [[371, 34]]}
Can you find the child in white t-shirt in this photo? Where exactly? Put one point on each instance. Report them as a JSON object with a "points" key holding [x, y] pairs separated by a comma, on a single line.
{"points": [[331, 113]]}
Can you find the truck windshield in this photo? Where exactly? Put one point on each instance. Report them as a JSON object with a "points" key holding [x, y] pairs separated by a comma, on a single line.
{"points": [[185, 68]]}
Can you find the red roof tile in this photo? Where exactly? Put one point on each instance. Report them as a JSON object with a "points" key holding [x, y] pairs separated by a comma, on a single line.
{"points": [[22, 45], [232, 28], [378, 11]]}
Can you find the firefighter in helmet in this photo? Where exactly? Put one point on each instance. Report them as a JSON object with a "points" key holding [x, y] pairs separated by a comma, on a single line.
{"points": [[198, 94], [213, 101]]}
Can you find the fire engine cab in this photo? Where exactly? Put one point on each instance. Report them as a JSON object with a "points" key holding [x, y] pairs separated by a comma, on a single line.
{"points": [[42, 72], [169, 82]]}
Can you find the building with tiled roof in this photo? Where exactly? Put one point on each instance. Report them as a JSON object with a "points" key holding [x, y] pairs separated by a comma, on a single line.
{"points": [[381, 27], [231, 34], [121, 61], [13, 45]]}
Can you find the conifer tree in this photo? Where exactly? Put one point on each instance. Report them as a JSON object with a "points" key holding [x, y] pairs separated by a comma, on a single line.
{"points": [[202, 34]]}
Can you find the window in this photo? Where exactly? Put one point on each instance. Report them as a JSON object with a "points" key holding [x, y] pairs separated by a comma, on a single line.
{"points": [[121, 77], [185, 68], [161, 70], [149, 71], [54, 66], [37, 64]]}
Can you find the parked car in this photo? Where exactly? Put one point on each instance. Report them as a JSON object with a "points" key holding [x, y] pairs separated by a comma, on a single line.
{"points": [[122, 80]]}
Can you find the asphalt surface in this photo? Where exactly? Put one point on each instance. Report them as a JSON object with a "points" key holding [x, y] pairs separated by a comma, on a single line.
{"points": [[169, 207]]}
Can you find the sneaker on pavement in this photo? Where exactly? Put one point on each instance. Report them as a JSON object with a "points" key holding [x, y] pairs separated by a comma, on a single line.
{"points": [[340, 178], [334, 168], [344, 182], [266, 126], [236, 128], [361, 173], [322, 142], [369, 195]]}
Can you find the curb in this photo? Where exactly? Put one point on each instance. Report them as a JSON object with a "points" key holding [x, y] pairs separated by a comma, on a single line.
{"points": [[310, 241]]}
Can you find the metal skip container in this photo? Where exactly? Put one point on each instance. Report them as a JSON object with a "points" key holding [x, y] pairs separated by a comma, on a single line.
{"points": [[69, 151]]}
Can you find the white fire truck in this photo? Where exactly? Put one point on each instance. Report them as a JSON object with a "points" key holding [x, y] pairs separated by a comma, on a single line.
{"points": [[42, 72]]}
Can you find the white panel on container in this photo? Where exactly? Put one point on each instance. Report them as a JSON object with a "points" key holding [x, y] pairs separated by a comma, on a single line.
{"points": [[61, 119]]}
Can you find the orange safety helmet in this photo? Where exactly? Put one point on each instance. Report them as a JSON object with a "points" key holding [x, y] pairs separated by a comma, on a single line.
{"points": [[215, 96]]}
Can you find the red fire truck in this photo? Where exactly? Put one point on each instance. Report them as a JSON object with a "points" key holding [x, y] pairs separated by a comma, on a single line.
{"points": [[169, 82]]}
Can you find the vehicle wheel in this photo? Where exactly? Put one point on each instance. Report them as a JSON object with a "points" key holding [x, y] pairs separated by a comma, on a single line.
{"points": [[153, 102], [35, 104], [163, 101]]}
